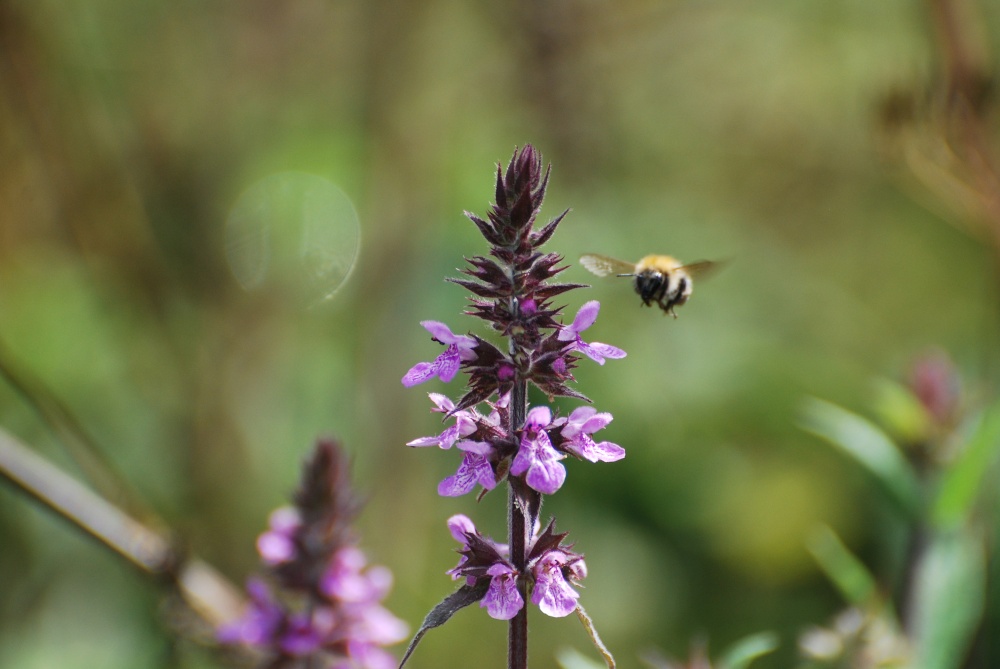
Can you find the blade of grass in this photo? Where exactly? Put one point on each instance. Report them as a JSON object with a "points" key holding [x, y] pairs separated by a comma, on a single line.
{"points": [[948, 599], [841, 566], [963, 479], [742, 653], [868, 446]]}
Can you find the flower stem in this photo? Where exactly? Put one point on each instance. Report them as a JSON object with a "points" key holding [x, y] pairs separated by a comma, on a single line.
{"points": [[517, 530]]}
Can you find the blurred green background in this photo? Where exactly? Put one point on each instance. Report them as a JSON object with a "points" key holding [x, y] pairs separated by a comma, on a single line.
{"points": [[204, 353]]}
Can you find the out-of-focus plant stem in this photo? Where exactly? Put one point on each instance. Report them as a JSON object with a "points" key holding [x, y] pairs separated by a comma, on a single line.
{"points": [[207, 592]]}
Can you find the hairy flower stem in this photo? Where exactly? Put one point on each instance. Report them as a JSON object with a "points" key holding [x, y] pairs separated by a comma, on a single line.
{"points": [[517, 531], [517, 631]]}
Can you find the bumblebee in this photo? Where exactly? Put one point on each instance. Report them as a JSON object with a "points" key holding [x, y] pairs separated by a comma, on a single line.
{"points": [[660, 280]]}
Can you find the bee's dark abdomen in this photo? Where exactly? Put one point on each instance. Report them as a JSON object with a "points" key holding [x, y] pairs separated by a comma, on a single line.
{"points": [[683, 290], [677, 298]]}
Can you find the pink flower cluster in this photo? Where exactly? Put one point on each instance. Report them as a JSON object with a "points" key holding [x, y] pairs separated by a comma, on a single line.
{"points": [[536, 452], [345, 618], [549, 572], [320, 604]]}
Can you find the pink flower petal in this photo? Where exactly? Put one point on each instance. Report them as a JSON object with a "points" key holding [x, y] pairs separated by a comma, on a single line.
{"points": [[502, 600], [442, 402], [553, 595], [459, 525], [439, 331], [477, 447], [546, 477], [596, 422], [474, 469], [586, 316], [419, 373], [447, 364], [537, 418], [584, 446], [607, 350], [425, 441]]}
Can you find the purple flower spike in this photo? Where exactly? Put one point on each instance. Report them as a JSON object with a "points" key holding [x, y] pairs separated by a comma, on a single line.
{"points": [[502, 600], [465, 424], [536, 456], [582, 423], [553, 595], [503, 439], [321, 605], [445, 366], [475, 468], [596, 351]]}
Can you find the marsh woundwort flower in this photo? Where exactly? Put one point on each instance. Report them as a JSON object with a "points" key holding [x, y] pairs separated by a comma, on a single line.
{"points": [[575, 436], [596, 351], [550, 568], [322, 601], [465, 424], [490, 424], [445, 366], [536, 458]]}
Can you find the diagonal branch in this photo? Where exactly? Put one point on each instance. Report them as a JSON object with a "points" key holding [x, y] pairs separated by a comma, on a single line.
{"points": [[204, 589]]}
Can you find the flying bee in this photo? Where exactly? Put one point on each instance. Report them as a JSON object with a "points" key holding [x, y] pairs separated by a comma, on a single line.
{"points": [[661, 280]]}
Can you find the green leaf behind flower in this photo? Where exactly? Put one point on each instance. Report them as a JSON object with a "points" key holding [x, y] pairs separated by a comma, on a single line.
{"points": [[867, 445]]}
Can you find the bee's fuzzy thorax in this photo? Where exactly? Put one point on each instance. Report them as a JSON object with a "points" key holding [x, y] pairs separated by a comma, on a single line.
{"points": [[657, 263]]}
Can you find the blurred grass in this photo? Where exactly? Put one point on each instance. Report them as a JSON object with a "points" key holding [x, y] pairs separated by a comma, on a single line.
{"points": [[742, 132]]}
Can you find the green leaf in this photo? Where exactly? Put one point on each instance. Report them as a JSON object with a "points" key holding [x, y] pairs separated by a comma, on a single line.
{"points": [[868, 446], [843, 568], [748, 649], [948, 599], [963, 478]]}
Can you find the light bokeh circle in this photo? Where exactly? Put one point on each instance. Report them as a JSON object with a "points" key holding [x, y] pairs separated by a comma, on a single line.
{"points": [[294, 233]]}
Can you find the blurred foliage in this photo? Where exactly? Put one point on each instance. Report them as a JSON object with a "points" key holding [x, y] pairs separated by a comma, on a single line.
{"points": [[935, 611], [131, 131]]}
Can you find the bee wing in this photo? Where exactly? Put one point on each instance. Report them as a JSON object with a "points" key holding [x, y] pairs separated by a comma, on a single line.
{"points": [[701, 268], [605, 266]]}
